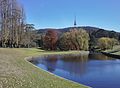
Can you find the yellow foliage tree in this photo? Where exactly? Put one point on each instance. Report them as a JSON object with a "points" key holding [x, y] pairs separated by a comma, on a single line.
{"points": [[107, 43]]}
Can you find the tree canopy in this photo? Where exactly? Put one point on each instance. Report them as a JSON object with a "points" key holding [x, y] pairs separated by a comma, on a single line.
{"points": [[50, 40], [107, 43], [74, 40]]}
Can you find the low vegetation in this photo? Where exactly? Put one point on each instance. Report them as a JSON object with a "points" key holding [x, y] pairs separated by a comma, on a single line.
{"points": [[16, 72]]}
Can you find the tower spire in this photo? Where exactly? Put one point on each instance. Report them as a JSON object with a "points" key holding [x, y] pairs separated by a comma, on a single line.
{"points": [[75, 23]]}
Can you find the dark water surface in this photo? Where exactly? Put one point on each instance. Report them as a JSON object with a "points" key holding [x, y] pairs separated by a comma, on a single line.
{"points": [[95, 70]]}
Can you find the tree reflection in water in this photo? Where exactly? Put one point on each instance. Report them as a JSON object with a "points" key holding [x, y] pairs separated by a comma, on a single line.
{"points": [[69, 63], [51, 62], [98, 56], [74, 64]]}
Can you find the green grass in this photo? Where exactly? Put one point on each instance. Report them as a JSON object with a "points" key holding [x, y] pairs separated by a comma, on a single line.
{"points": [[16, 72], [115, 49], [117, 53]]}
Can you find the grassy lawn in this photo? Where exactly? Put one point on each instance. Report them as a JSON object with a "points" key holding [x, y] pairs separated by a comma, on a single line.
{"points": [[114, 50], [16, 72]]}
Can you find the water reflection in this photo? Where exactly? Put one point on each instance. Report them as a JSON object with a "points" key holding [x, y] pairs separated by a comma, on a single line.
{"points": [[99, 56], [69, 63], [72, 62], [50, 63]]}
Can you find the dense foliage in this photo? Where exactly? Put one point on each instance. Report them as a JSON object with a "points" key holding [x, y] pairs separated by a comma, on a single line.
{"points": [[50, 40], [74, 40], [14, 32], [94, 34], [107, 43]]}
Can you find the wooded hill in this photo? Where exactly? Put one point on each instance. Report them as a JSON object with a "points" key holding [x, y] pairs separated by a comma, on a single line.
{"points": [[93, 31]]}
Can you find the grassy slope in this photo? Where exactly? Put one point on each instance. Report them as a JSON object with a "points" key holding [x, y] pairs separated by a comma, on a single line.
{"points": [[15, 72], [115, 50]]}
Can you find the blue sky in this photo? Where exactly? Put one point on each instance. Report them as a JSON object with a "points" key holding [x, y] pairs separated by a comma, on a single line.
{"points": [[61, 13]]}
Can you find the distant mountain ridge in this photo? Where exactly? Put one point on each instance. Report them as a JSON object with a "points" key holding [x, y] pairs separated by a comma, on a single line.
{"points": [[93, 31]]}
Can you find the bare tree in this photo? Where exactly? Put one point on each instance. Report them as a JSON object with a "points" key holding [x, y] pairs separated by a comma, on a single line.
{"points": [[12, 23], [28, 35]]}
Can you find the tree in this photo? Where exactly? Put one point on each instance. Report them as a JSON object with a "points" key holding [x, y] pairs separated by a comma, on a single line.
{"points": [[28, 35], [104, 43], [107, 43], [65, 42], [12, 19], [92, 43], [74, 40], [50, 40], [114, 42]]}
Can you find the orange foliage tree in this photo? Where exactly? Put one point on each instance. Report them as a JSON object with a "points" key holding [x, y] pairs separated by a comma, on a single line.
{"points": [[50, 39]]}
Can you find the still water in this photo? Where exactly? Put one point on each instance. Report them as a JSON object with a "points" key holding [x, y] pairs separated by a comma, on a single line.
{"points": [[95, 70]]}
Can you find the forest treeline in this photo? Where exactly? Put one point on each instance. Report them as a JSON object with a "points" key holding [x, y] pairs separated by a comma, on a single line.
{"points": [[74, 39], [14, 32]]}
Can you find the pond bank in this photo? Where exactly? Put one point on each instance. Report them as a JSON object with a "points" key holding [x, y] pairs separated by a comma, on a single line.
{"points": [[115, 52], [111, 55], [15, 72], [59, 53]]}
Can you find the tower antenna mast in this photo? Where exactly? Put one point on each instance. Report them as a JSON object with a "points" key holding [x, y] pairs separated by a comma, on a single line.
{"points": [[75, 23]]}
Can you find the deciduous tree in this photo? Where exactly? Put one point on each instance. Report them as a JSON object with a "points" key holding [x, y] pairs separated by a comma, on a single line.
{"points": [[107, 43], [50, 39], [75, 39]]}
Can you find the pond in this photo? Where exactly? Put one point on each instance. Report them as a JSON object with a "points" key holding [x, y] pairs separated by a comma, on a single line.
{"points": [[94, 70]]}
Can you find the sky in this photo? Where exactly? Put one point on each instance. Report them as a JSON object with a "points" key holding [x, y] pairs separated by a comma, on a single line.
{"points": [[61, 13]]}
